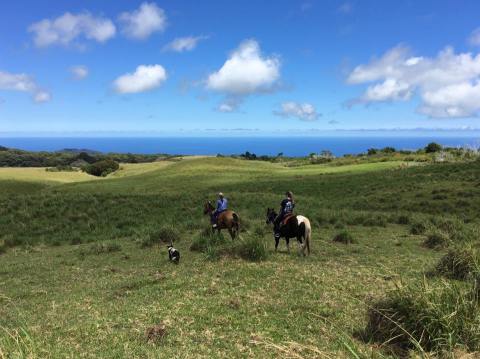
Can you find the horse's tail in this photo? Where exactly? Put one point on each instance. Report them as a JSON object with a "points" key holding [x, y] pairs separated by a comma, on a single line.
{"points": [[236, 222], [307, 233]]}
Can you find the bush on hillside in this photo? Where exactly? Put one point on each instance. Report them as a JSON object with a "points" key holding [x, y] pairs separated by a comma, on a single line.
{"points": [[102, 168], [165, 234], [436, 239], [436, 319], [433, 147], [344, 237], [459, 263], [207, 239], [252, 249], [418, 227]]}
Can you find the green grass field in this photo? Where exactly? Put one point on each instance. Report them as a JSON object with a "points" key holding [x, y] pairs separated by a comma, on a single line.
{"points": [[76, 279]]}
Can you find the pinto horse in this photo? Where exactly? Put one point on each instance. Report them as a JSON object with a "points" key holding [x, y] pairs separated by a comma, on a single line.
{"points": [[226, 220], [294, 227]]}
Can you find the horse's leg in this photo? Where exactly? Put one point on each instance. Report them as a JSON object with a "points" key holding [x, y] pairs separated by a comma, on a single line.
{"points": [[288, 244], [277, 240], [232, 234], [301, 244]]}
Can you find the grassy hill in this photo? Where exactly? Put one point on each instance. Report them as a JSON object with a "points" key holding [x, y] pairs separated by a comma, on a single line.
{"points": [[79, 273]]}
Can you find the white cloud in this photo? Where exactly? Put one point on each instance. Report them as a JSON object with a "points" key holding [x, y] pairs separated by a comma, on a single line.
{"points": [[447, 84], [42, 96], [346, 8], [301, 111], [79, 72], [182, 44], [141, 23], [225, 107], [23, 83], [246, 72], [69, 27], [145, 78], [474, 38]]}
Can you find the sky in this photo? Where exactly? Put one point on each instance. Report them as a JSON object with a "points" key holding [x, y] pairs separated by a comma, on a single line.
{"points": [[173, 67]]}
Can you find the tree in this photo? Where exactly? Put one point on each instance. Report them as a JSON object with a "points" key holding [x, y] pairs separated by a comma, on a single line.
{"points": [[433, 147], [372, 151], [102, 168]]}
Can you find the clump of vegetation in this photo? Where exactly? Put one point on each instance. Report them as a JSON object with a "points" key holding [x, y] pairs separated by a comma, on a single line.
{"points": [[403, 219], [459, 263], [165, 234], [433, 147], [102, 168], [345, 237], [439, 319], [436, 239], [61, 168], [100, 248], [206, 240], [252, 249], [418, 227]]}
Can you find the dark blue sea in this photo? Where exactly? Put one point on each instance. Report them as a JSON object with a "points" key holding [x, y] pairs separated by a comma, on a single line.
{"points": [[290, 146]]}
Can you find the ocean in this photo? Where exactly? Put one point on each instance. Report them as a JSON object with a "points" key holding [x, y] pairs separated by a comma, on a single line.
{"points": [[295, 146]]}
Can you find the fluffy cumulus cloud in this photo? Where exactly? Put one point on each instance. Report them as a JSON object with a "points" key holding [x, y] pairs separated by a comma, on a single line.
{"points": [[141, 23], [247, 71], [474, 38], [345, 8], [23, 83], [182, 44], [79, 72], [67, 28], [448, 84], [301, 111], [145, 78]]}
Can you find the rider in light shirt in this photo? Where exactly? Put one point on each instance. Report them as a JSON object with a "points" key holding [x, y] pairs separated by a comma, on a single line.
{"points": [[221, 207]]}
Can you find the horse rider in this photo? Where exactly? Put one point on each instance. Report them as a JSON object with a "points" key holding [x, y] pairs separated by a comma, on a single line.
{"points": [[221, 207], [286, 207]]}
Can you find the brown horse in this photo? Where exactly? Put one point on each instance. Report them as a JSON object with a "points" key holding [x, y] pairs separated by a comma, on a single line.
{"points": [[225, 220]]}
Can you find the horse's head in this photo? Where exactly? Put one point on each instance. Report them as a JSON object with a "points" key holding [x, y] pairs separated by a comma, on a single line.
{"points": [[208, 207], [271, 215]]}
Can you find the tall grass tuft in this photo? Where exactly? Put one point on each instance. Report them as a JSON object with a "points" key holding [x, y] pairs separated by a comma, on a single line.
{"points": [[459, 263], [440, 318], [436, 239], [165, 234], [345, 237], [253, 248]]}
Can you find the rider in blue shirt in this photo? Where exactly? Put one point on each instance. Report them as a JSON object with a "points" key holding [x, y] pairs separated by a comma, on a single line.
{"points": [[286, 208], [221, 207]]}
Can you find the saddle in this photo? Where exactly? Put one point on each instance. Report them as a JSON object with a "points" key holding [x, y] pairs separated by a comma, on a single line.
{"points": [[287, 218]]}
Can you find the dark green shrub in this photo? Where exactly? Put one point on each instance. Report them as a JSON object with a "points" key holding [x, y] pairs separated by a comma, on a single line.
{"points": [[101, 168], [418, 228], [166, 234], [403, 219], [100, 248], [252, 249], [433, 147], [437, 319], [459, 263], [261, 230], [344, 237], [436, 239], [375, 221], [206, 239]]}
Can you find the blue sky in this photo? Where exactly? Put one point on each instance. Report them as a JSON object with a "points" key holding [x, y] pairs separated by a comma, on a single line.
{"points": [[189, 66]]}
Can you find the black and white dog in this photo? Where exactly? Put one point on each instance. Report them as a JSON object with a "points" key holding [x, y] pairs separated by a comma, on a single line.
{"points": [[173, 254]]}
